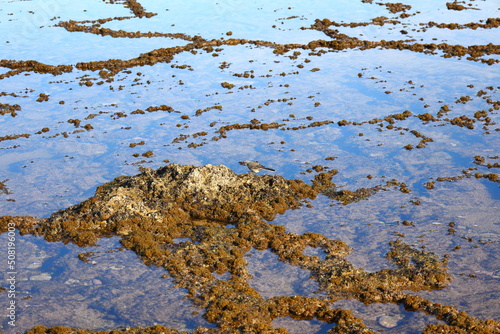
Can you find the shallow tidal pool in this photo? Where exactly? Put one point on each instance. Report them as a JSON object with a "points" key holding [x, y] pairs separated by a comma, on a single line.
{"points": [[402, 100]]}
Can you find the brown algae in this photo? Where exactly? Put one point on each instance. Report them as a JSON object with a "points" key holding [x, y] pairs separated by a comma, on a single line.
{"points": [[221, 215]]}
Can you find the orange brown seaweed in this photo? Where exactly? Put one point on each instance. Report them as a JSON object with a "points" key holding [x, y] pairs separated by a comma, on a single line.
{"points": [[11, 109], [150, 210], [339, 42], [12, 137], [32, 66], [396, 7], [391, 120], [3, 187], [490, 23]]}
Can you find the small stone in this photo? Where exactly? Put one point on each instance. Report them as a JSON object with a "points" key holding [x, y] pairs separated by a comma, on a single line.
{"points": [[34, 265], [41, 277], [388, 321]]}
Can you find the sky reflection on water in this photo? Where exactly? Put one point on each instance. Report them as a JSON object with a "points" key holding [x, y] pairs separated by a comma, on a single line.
{"points": [[62, 166]]}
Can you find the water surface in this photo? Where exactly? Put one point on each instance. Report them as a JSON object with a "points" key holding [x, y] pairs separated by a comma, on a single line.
{"points": [[76, 130]]}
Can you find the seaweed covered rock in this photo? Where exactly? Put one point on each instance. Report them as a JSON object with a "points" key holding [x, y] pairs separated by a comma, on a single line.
{"points": [[172, 195], [200, 222]]}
